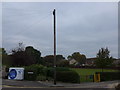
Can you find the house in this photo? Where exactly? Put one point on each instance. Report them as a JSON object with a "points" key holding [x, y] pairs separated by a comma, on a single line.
{"points": [[72, 61], [90, 61], [116, 62]]}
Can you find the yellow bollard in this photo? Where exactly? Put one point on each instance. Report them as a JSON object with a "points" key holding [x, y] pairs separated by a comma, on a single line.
{"points": [[96, 77]]}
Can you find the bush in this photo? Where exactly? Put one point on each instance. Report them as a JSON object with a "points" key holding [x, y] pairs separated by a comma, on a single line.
{"points": [[42, 73], [50, 70], [36, 69], [63, 74], [68, 76], [41, 78]]}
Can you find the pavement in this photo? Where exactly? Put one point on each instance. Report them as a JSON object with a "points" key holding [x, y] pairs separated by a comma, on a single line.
{"points": [[45, 84]]}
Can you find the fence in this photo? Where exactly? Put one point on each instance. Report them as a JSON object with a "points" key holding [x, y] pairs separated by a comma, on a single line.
{"points": [[109, 76], [93, 67]]}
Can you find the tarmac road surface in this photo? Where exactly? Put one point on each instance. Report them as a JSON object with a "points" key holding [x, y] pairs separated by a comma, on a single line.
{"points": [[40, 85]]}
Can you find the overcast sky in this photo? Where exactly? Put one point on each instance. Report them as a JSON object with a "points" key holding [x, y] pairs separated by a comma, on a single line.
{"points": [[83, 27]]}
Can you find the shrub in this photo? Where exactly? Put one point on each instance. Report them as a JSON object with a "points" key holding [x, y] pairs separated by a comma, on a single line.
{"points": [[68, 76], [42, 73], [41, 78], [50, 70], [36, 69], [63, 74]]}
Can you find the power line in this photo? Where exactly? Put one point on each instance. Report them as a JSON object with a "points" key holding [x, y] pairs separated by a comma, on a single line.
{"points": [[21, 14], [30, 26]]}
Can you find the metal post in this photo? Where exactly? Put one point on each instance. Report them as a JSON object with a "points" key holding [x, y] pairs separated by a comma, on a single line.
{"points": [[54, 46]]}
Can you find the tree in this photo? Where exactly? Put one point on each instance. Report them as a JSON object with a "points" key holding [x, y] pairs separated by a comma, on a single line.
{"points": [[60, 57], [20, 48], [63, 63], [33, 55], [80, 58], [0, 57], [5, 57], [103, 58], [17, 55], [69, 57], [49, 59], [24, 57]]}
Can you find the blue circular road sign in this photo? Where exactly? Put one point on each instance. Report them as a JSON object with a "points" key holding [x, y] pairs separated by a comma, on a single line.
{"points": [[12, 74]]}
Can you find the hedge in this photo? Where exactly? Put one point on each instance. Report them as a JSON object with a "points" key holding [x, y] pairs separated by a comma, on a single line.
{"points": [[64, 74], [109, 76], [68, 76], [50, 70], [43, 73], [41, 78], [37, 71]]}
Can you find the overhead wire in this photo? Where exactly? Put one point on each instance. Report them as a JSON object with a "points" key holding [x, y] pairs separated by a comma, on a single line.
{"points": [[32, 25], [21, 14]]}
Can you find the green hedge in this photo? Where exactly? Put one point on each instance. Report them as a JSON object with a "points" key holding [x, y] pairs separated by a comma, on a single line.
{"points": [[50, 70], [109, 76], [41, 78], [64, 74], [37, 71], [68, 76], [43, 73]]}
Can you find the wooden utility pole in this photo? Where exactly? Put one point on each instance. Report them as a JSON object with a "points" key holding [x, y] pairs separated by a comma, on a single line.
{"points": [[54, 14]]}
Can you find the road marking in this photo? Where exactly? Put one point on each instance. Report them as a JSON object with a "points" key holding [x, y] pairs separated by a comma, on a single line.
{"points": [[7, 86], [4, 86]]}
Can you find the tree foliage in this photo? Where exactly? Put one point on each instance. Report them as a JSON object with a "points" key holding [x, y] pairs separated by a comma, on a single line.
{"points": [[5, 57], [63, 63], [80, 58], [33, 55], [20, 48], [24, 57], [103, 58], [49, 60]]}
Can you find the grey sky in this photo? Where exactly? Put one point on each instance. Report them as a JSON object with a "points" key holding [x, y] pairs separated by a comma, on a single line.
{"points": [[0, 24], [84, 27]]}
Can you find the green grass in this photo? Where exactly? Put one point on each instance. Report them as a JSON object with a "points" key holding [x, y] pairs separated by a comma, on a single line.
{"points": [[85, 73]]}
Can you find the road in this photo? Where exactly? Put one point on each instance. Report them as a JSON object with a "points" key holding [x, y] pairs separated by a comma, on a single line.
{"points": [[14, 83], [45, 85]]}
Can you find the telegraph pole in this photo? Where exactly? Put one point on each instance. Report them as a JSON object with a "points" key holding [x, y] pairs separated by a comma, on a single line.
{"points": [[54, 14]]}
